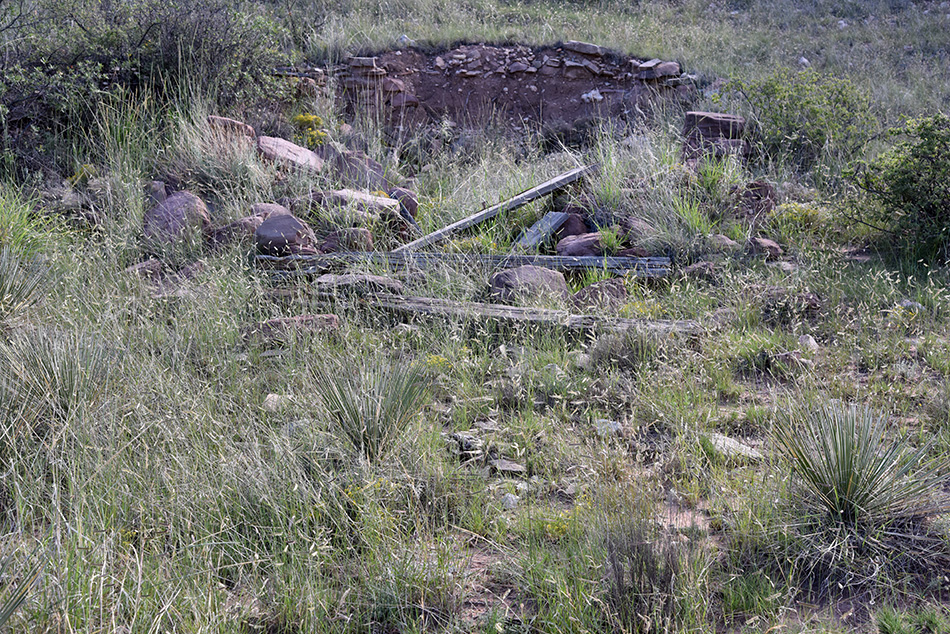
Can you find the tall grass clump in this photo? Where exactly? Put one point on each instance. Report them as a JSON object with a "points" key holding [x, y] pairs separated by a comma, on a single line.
{"points": [[22, 283], [55, 374], [372, 404]]}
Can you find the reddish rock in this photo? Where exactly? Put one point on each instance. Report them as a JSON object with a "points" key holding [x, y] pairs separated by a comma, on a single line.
{"points": [[180, 217], [350, 239], [234, 127], [279, 329], [723, 243], [285, 235], [290, 154], [404, 100], [528, 282], [573, 226], [406, 198], [634, 230], [609, 295], [350, 198], [390, 84], [764, 246], [356, 170], [580, 245], [243, 229]]}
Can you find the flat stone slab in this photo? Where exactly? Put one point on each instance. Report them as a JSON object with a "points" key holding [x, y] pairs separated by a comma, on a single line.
{"points": [[732, 449], [283, 151]]}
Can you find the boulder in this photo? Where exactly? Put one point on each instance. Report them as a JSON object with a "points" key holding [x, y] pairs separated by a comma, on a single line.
{"points": [[580, 245], [285, 235], [180, 217], [289, 154], [526, 282], [349, 239], [763, 246], [606, 295], [406, 198], [634, 230], [573, 226], [358, 284], [351, 198], [243, 229]]}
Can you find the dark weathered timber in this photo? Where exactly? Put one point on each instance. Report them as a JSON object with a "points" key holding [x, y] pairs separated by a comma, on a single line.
{"points": [[521, 199], [541, 231], [303, 265], [415, 307]]}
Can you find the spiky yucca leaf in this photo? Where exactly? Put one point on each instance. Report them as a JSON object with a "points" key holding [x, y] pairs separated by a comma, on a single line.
{"points": [[849, 470], [21, 284], [371, 404]]}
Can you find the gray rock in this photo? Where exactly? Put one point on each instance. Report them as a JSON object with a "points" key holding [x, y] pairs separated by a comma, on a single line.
{"points": [[732, 449], [581, 245], [510, 501], [584, 48], [285, 235], [526, 282], [290, 154], [808, 344], [606, 427], [179, 218], [503, 466]]}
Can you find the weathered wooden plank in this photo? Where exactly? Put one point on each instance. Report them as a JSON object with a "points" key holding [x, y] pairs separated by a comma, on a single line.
{"points": [[521, 199], [541, 231], [296, 265], [414, 307]]}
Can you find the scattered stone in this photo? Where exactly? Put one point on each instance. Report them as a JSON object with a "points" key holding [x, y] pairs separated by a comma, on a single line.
{"points": [[912, 306], [406, 198], [580, 245], [635, 230], [361, 62], [230, 126], [808, 344], [358, 170], [180, 217], [279, 329], [518, 67], [351, 198], [606, 427], [307, 88], [593, 96], [274, 403], [713, 133], [584, 48], [290, 154], [721, 242], [581, 360], [349, 239], [732, 449], [403, 100], [360, 284], [510, 501], [391, 84], [466, 445], [764, 246], [285, 235], [525, 282], [235, 232], [573, 226], [505, 467], [606, 295]]}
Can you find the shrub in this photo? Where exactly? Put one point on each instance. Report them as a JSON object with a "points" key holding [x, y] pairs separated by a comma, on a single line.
{"points": [[371, 404], [21, 284], [806, 117], [911, 183]]}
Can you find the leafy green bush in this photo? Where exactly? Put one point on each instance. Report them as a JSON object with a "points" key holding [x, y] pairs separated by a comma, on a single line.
{"points": [[911, 183], [806, 117]]}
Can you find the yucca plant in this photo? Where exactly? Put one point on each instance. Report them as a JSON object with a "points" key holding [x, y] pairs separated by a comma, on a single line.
{"points": [[13, 595], [851, 472], [52, 373], [371, 404], [21, 283]]}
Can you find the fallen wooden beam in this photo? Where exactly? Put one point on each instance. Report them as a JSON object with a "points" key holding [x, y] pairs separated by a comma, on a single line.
{"points": [[414, 307], [303, 265], [541, 231], [521, 199]]}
